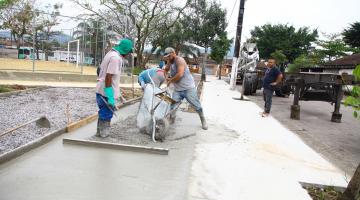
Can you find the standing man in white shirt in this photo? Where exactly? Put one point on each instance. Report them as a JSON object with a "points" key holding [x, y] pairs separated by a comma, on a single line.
{"points": [[107, 87]]}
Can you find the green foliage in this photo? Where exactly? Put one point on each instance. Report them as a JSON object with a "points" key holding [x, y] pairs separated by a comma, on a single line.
{"points": [[6, 3], [333, 47], [220, 47], [352, 35], [354, 99], [301, 61], [177, 37], [290, 41], [17, 17], [4, 89], [137, 70], [206, 22], [279, 57]]}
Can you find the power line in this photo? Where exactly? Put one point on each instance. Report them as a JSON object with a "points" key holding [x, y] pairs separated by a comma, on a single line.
{"points": [[232, 11]]}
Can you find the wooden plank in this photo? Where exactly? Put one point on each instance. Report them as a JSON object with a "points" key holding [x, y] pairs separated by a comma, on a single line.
{"points": [[76, 125], [125, 147]]}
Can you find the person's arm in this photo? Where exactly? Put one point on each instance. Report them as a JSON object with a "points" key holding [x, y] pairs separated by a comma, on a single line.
{"points": [[278, 79], [111, 70], [142, 79], [180, 72], [108, 80], [167, 68]]}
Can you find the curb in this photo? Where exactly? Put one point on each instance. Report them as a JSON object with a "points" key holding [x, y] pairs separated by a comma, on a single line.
{"points": [[30, 146]]}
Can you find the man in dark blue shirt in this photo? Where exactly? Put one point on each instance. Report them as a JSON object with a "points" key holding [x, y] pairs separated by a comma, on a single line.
{"points": [[272, 78]]}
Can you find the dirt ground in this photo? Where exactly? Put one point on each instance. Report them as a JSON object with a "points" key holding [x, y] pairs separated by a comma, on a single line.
{"points": [[40, 65]]}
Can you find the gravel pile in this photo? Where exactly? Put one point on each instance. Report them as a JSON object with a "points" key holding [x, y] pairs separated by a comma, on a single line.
{"points": [[51, 102]]}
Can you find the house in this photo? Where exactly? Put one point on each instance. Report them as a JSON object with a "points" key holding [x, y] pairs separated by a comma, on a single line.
{"points": [[346, 64]]}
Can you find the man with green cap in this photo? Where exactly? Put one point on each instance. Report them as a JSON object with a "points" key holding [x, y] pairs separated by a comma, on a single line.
{"points": [[107, 87]]}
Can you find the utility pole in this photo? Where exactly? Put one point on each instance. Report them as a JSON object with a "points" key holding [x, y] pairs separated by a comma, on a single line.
{"points": [[235, 60]]}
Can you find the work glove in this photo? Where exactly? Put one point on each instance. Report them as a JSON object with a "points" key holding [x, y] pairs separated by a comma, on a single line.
{"points": [[109, 92]]}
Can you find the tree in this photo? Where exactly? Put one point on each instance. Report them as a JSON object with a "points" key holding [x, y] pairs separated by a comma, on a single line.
{"points": [[352, 35], [46, 25], [6, 3], [17, 17], [290, 41], [91, 32], [333, 48], [206, 22], [177, 37], [279, 57], [301, 61], [148, 18], [219, 49], [352, 191]]}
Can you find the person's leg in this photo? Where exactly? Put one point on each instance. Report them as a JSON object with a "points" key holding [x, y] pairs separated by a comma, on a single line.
{"points": [[264, 97], [104, 117], [193, 99], [268, 100], [178, 96]]}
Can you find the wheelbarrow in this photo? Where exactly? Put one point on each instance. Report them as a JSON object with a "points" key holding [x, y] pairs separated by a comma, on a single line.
{"points": [[154, 111]]}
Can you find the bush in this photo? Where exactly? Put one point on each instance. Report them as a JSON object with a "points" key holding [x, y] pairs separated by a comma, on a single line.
{"points": [[137, 70]]}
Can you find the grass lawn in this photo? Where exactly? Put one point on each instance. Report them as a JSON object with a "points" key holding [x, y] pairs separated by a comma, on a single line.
{"points": [[11, 88]]}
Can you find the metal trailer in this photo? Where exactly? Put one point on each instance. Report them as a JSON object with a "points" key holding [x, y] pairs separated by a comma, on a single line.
{"points": [[306, 86]]}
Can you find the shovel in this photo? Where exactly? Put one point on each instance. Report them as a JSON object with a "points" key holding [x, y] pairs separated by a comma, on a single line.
{"points": [[41, 122]]}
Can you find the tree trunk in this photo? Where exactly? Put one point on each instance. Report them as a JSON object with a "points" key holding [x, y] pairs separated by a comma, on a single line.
{"points": [[203, 68], [220, 72], [353, 189]]}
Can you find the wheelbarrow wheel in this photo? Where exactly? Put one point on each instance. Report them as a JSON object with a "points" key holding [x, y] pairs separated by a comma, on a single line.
{"points": [[161, 129]]}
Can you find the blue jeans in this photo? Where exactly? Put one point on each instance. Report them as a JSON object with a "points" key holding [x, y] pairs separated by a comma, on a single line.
{"points": [[190, 95], [105, 114], [267, 94]]}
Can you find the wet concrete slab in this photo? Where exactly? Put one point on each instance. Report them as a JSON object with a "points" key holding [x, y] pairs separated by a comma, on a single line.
{"points": [[58, 171]]}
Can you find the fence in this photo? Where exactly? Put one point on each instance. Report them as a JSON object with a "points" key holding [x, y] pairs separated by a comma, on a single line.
{"points": [[57, 43]]}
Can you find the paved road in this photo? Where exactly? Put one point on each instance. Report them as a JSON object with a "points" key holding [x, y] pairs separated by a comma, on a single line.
{"points": [[337, 142], [57, 171]]}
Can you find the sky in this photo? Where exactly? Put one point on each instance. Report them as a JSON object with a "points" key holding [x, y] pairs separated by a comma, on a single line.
{"points": [[329, 16]]}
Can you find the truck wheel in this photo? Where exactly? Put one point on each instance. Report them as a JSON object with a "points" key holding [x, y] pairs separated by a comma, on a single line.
{"points": [[247, 85], [254, 87]]}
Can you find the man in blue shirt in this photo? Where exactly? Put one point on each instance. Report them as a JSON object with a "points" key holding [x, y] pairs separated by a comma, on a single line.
{"points": [[156, 74], [272, 78]]}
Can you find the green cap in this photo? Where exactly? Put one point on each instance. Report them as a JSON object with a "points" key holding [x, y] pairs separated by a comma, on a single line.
{"points": [[124, 47]]}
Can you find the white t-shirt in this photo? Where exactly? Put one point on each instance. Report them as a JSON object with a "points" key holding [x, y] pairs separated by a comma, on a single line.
{"points": [[111, 64]]}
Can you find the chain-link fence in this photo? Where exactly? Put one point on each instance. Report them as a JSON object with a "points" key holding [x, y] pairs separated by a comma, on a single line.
{"points": [[57, 43]]}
